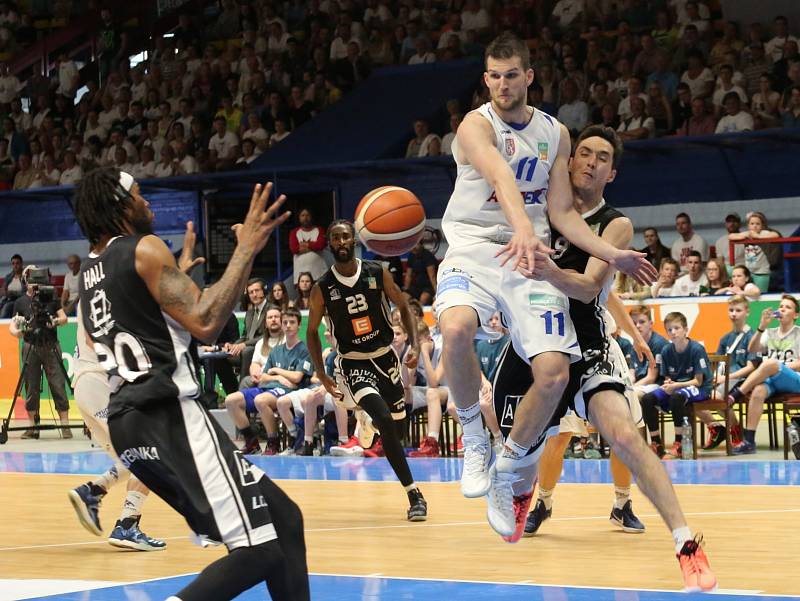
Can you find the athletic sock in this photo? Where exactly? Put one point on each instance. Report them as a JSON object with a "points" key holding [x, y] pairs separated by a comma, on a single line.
{"points": [[292, 431], [133, 504], [622, 495], [546, 497], [343, 439], [410, 487], [308, 439], [471, 420], [513, 454], [750, 436], [680, 536], [433, 434], [107, 480]]}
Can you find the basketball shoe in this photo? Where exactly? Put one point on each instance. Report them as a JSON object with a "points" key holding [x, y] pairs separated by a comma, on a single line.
{"points": [[501, 514], [376, 450], [716, 436], [536, 518], [697, 574], [478, 458], [349, 449], [428, 448], [366, 430], [87, 507], [251, 447], [626, 519], [418, 510], [521, 505], [127, 535]]}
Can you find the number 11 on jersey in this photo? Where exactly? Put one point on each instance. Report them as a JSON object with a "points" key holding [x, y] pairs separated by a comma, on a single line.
{"points": [[548, 317]]}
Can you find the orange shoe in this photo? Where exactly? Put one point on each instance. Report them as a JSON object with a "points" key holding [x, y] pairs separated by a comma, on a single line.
{"points": [[376, 450], [521, 505], [697, 574], [736, 435]]}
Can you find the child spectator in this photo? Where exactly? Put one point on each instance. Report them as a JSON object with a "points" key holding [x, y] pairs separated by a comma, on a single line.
{"points": [[741, 283], [716, 277], [666, 279], [687, 379]]}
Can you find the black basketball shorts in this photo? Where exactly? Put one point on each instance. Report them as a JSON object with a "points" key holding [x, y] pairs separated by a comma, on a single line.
{"points": [[357, 378], [182, 454]]}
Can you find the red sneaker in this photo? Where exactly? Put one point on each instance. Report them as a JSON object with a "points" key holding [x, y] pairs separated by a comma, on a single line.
{"points": [[251, 447], [273, 447], [675, 452], [716, 436], [658, 449], [376, 450], [521, 505], [736, 436], [697, 574], [352, 448], [428, 448]]}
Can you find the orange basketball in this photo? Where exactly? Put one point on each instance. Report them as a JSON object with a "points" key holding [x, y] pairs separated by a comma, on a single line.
{"points": [[390, 220]]}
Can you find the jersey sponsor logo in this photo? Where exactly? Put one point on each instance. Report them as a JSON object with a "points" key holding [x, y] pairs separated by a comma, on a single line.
{"points": [[543, 148], [361, 325], [129, 456], [335, 294], [100, 314], [373, 285], [362, 376], [532, 197], [249, 474], [509, 409], [548, 300], [454, 282], [509, 146]]}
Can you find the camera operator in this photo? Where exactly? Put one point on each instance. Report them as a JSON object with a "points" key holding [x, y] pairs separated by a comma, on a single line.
{"points": [[37, 314]]}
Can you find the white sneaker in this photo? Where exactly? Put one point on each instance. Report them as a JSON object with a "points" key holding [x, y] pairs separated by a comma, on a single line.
{"points": [[286, 452], [478, 457], [366, 430], [501, 502]]}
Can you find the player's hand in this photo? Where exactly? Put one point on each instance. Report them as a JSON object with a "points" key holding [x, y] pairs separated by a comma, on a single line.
{"points": [[544, 268], [636, 265], [412, 357], [643, 351], [330, 386], [521, 248], [252, 235], [187, 261]]}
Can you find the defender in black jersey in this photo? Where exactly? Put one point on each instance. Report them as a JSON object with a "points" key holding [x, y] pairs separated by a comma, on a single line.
{"points": [[141, 313], [595, 390], [352, 296]]}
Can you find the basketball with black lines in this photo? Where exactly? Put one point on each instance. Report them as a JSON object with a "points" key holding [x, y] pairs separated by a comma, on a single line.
{"points": [[390, 220]]}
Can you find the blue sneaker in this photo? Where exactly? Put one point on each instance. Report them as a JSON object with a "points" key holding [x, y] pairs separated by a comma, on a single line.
{"points": [[626, 519], [133, 538], [87, 507], [744, 448]]}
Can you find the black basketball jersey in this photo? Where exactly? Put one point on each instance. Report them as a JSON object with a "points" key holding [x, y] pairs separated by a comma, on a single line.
{"points": [[586, 317], [358, 311], [145, 352]]}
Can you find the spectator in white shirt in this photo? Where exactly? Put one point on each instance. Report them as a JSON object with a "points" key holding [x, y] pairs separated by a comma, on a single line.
{"points": [[634, 89], [573, 113], [278, 38], [186, 162], [448, 138], [697, 76], [281, 132], [693, 17], [10, 85], [667, 274], [774, 47], [423, 54], [726, 85], [688, 241], [223, 146], [94, 128], [68, 76], [339, 44], [118, 140], [147, 166], [121, 159], [248, 154], [565, 12], [22, 120], [689, 284], [735, 120], [639, 126], [475, 18], [455, 29], [256, 133], [167, 166], [72, 172]]}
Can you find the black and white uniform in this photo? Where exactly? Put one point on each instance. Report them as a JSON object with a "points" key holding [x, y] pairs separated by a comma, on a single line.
{"points": [[358, 317], [159, 430]]}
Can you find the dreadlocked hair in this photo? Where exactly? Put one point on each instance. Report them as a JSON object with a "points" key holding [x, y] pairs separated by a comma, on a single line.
{"points": [[100, 204]]}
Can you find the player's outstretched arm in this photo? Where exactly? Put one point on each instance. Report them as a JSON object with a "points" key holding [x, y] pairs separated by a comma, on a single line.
{"points": [[316, 310], [204, 314], [476, 146], [567, 221], [395, 295]]}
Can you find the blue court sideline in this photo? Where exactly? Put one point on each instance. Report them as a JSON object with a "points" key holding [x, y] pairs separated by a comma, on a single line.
{"points": [[356, 588], [707, 471]]}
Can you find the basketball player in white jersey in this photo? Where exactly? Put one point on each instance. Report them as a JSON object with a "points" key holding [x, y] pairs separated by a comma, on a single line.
{"points": [[92, 393], [511, 183]]}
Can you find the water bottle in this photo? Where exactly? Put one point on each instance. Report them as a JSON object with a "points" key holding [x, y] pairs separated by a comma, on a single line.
{"points": [[687, 444], [794, 438]]}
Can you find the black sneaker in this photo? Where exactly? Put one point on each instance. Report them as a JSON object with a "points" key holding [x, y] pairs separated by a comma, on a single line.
{"points": [[796, 446], [716, 436], [307, 449], [251, 447], [625, 519], [536, 518], [87, 508], [418, 512]]}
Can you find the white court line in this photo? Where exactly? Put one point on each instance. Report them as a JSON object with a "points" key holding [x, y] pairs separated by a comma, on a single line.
{"points": [[418, 525]]}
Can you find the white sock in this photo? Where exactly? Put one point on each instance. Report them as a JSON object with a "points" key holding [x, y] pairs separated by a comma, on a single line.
{"points": [[292, 431], [471, 420], [433, 434], [308, 438], [343, 439], [410, 487], [547, 497], [133, 504], [622, 494], [108, 479], [680, 536], [513, 454]]}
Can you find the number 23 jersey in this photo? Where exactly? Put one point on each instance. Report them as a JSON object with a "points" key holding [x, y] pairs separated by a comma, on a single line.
{"points": [[357, 310], [145, 352]]}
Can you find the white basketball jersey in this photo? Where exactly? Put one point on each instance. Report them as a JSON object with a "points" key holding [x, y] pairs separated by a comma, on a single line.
{"points": [[530, 151], [87, 359]]}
